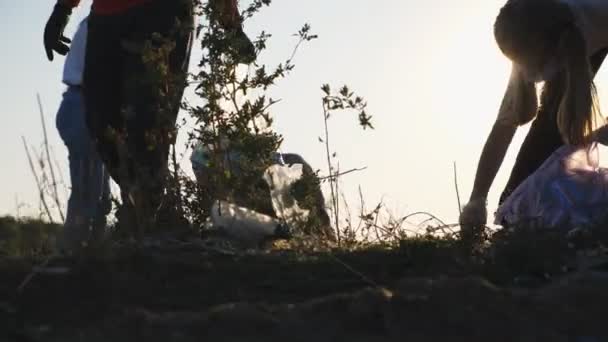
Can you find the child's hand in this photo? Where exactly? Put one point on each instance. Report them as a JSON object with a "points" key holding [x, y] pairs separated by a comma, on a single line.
{"points": [[473, 217]]}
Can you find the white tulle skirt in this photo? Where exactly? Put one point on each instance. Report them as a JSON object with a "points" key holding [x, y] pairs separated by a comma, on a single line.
{"points": [[570, 190]]}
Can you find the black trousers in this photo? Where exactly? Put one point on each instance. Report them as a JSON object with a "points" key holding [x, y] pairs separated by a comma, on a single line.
{"points": [[134, 78], [544, 137]]}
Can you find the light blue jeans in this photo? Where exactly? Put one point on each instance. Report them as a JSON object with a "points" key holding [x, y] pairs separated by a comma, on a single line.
{"points": [[89, 201]]}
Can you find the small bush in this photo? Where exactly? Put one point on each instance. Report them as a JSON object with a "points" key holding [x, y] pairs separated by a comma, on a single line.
{"points": [[27, 237]]}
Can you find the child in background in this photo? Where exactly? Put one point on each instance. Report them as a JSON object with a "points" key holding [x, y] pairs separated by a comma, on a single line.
{"points": [[89, 201], [131, 113]]}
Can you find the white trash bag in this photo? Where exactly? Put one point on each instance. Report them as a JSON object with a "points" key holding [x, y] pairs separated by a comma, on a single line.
{"points": [[243, 224], [250, 226]]}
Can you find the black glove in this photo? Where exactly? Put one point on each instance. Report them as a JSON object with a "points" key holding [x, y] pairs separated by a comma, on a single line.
{"points": [[54, 40], [242, 47]]}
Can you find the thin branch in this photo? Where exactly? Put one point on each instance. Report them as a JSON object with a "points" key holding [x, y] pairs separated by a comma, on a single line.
{"points": [[343, 173], [49, 160], [348, 211], [377, 212], [456, 187], [362, 276], [443, 227], [38, 184], [270, 104], [424, 213], [295, 50], [337, 184], [363, 207], [330, 170]]}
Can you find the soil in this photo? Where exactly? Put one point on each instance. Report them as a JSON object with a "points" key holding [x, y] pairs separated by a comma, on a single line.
{"points": [[196, 291]]}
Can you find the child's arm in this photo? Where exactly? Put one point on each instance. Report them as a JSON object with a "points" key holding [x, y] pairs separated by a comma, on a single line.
{"points": [[518, 107], [491, 159]]}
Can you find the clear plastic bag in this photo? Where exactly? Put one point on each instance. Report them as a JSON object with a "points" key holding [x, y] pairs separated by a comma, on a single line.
{"points": [[280, 179]]}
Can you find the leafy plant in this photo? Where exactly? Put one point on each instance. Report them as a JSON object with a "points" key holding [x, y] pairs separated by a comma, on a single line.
{"points": [[234, 117], [333, 101]]}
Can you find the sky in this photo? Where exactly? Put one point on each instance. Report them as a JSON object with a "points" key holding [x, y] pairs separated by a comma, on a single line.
{"points": [[430, 71]]}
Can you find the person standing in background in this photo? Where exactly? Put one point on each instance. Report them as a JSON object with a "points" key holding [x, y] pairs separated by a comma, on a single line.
{"points": [[89, 202], [130, 114]]}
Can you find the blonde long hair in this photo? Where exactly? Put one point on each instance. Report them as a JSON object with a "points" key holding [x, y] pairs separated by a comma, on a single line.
{"points": [[531, 32]]}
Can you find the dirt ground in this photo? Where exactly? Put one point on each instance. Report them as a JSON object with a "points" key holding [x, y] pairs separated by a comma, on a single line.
{"points": [[194, 291]]}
